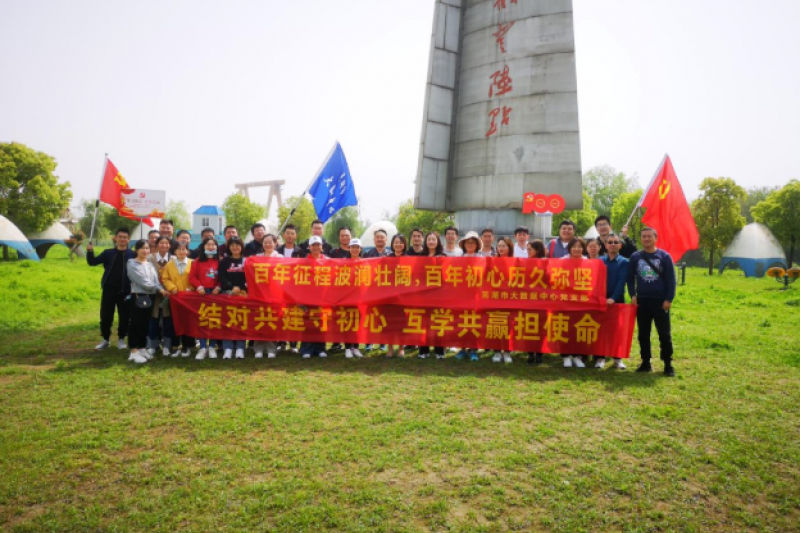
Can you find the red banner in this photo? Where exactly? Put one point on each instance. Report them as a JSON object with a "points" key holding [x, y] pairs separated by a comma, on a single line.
{"points": [[608, 333], [450, 282]]}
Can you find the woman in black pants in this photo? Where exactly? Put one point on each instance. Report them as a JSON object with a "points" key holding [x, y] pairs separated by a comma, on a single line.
{"points": [[144, 285]]}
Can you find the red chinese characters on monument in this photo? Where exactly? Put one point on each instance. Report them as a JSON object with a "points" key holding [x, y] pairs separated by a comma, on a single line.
{"points": [[501, 4], [504, 121], [500, 35], [501, 83]]}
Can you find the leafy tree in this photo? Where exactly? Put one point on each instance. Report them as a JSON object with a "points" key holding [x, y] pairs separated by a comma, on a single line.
{"points": [[178, 212], [754, 196], [348, 216], [622, 209], [717, 214], [112, 220], [408, 218], [781, 213], [583, 218], [242, 212], [604, 184], [302, 218], [30, 195]]}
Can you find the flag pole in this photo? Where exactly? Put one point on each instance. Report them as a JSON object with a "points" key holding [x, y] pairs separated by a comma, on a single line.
{"points": [[97, 201], [300, 198], [646, 190]]}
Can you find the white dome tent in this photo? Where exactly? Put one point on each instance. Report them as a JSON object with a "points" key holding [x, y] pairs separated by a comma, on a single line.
{"points": [[367, 240], [754, 249], [591, 233], [11, 236], [42, 241]]}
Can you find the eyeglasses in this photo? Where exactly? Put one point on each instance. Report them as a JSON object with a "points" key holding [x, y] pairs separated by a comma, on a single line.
{"points": [[613, 242]]}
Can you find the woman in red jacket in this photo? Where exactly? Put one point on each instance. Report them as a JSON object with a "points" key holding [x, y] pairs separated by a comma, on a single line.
{"points": [[204, 275]]}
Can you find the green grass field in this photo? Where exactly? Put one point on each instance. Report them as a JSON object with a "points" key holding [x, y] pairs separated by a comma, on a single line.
{"points": [[90, 442]]}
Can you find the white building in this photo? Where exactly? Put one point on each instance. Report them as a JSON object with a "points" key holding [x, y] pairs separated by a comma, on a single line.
{"points": [[208, 216]]}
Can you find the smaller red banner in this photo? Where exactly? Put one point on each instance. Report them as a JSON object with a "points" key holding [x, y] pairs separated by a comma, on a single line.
{"points": [[608, 333]]}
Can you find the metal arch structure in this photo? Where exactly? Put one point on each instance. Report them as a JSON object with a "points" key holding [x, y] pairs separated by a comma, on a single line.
{"points": [[274, 190]]}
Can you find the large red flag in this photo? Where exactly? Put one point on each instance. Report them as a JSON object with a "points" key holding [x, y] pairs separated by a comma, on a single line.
{"points": [[114, 185], [669, 214]]}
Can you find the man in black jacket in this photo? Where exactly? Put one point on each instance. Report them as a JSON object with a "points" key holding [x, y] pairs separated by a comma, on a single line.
{"points": [[343, 251], [603, 226], [290, 248], [316, 231], [116, 287]]}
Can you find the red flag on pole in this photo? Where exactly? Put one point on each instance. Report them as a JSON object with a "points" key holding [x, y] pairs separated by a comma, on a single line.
{"points": [[114, 186], [669, 214]]}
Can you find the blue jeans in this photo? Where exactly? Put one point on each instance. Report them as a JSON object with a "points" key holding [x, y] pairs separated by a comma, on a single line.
{"points": [[230, 345]]}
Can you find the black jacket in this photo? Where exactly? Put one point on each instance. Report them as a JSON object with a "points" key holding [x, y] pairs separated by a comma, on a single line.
{"points": [[298, 252], [106, 258], [373, 252], [253, 248], [339, 253]]}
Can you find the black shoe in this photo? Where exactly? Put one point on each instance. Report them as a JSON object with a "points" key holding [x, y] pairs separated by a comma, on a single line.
{"points": [[669, 371], [645, 367], [531, 358], [539, 359]]}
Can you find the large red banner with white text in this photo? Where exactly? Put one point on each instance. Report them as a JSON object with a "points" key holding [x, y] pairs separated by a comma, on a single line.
{"points": [[428, 282], [608, 333]]}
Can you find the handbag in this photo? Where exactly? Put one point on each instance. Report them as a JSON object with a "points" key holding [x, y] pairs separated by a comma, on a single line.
{"points": [[143, 301]]}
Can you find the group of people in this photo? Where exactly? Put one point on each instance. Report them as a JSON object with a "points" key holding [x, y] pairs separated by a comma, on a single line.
{"points": [[138, 282]]}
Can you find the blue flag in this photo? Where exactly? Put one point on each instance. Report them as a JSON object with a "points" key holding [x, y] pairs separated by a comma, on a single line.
{"points": [[333, 189]]}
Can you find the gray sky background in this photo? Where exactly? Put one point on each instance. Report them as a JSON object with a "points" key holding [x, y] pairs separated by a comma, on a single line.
{"points": [[194, 96]]}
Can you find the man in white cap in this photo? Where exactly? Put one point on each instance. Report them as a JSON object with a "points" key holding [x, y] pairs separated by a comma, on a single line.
{"points": [[314, 348]]}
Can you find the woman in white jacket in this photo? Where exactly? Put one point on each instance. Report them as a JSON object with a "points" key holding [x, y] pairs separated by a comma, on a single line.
{"points": [[144, 285]]}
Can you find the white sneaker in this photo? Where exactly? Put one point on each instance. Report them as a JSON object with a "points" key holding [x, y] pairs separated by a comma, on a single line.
{"points": [[212, 353], [438, 356], [294, 350], [165, 352], [323, 354], [228, 354], [146, 354], [201, 354], [507, 358], [239, 354], [601, 363], [306, 356], [138, 358], [103, 345], [187, 352], [272, 355], [619, 364], [496, 358], [151, 352], [357, 352], [423, 356], [348, 353], [259, 355], [568, 361], [177, 353], [122, 345], [578, 362]]}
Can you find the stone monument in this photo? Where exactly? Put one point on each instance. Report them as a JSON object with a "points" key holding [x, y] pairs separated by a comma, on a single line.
{"points": [[501, 112]]}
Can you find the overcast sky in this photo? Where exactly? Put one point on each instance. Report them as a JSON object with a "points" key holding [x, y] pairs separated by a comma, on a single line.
{"points": [[193, 96]]}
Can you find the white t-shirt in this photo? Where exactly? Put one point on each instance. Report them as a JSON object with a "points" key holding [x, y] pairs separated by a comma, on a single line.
{"points": [[456, 252], [287, 252], [521, 252]]}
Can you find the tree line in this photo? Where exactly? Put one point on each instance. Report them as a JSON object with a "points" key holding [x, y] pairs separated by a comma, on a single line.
{"points": [[32, 197]]}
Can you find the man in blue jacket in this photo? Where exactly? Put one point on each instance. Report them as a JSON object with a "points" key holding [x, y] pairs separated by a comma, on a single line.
{"points": [[116, 287], [651, 285]]}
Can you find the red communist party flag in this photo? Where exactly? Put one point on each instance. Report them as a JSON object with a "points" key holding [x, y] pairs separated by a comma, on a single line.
{"points": [[669, 214], [114, 186]]}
